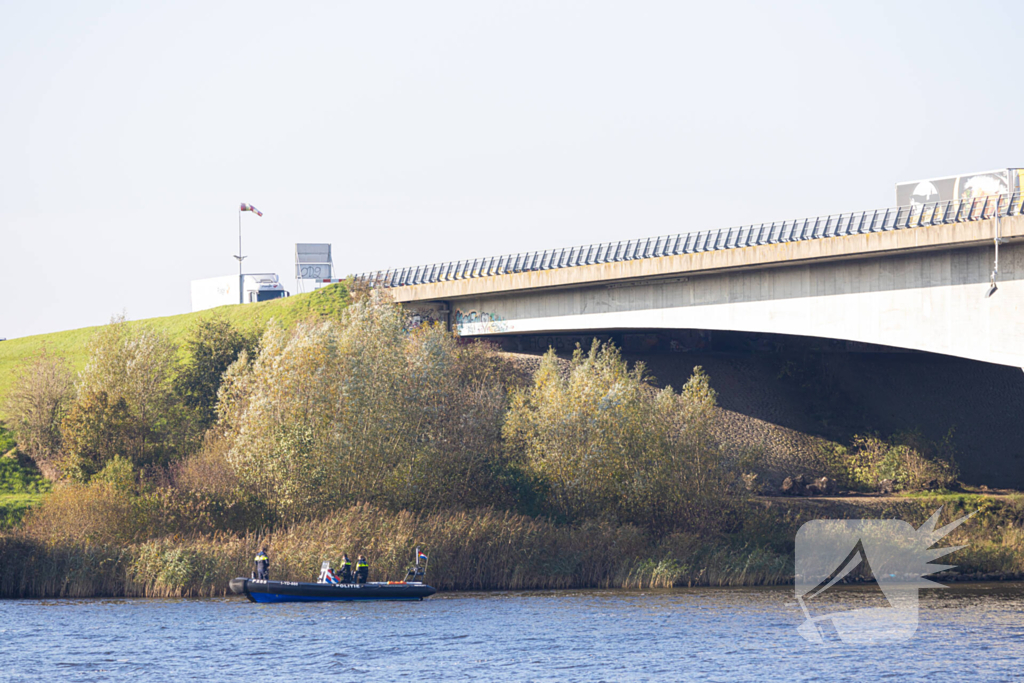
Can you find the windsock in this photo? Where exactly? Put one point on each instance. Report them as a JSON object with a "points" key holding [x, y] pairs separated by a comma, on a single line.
{"points": [[250, 207]]}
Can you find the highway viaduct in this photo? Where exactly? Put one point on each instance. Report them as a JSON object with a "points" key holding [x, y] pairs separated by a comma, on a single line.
{"points": [[913, 277]]}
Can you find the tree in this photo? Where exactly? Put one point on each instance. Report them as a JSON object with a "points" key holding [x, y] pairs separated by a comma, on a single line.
{"points": [[210, 347], [361, 409], [124, 404], [587, 435], [36, 405], [603, 443], [96, 430]]}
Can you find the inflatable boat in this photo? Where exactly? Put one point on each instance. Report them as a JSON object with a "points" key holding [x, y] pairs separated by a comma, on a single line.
{"points": [[258, 590]]}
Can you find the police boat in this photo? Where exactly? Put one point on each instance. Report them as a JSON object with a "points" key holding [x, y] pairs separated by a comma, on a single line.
{"points": [[324, 590]]}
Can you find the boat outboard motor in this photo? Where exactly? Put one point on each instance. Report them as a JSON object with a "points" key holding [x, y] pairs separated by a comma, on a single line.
{"points": [[416, 572]]}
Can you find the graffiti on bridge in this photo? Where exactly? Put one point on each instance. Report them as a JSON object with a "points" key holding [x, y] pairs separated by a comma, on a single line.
{"points": [[479, 322], [419, 317]]}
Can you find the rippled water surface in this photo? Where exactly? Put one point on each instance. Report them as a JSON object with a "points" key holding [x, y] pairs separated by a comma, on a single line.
{"points": [[967, 632]]}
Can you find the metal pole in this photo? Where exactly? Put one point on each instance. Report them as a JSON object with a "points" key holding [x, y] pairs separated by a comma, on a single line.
{"points": [[240, 257], [995, 266]]}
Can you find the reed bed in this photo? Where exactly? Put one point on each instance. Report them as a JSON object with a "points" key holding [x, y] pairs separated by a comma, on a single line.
{"points": [[480, 550]]}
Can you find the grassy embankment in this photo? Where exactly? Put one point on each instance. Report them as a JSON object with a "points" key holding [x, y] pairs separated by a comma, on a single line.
{"points": [[72, 345], [21, 487]]}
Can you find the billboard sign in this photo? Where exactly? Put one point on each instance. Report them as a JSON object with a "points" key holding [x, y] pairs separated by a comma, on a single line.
{"points": [[918, 193], [313, 262]]}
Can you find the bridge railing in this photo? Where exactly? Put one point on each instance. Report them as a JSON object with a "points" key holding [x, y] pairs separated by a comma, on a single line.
{"points": [[779, 232]]}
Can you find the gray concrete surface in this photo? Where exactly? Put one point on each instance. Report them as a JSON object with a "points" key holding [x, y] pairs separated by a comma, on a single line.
{"points": [[928, 300], [953, 236]]}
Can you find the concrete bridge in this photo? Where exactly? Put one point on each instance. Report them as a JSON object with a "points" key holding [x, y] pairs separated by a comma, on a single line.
{"points": [[912, 277]]}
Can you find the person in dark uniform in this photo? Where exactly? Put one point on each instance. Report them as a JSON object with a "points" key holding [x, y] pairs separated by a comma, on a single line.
{"points": [[344, 572], [362, 570], [262, 562]]}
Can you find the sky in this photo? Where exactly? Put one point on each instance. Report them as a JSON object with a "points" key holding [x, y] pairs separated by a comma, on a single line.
{"points": [[407, 133]]}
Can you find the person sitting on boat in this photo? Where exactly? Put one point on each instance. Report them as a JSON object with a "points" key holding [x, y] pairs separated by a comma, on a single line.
{"points": [[262, 563], [362, 570], [344, 572]]}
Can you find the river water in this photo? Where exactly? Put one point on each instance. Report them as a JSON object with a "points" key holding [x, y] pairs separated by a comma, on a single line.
{"points": [[966, 632]]}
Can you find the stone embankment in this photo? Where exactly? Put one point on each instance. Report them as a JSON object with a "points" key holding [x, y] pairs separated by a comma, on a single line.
{"points": [[782, 422]]}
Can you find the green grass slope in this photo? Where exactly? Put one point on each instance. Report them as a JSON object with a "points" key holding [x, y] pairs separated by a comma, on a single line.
{"points": [[21, 488], [72, 345]]}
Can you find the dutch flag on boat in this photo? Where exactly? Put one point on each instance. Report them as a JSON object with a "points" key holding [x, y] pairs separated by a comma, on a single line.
{"points": [[421, 555]]}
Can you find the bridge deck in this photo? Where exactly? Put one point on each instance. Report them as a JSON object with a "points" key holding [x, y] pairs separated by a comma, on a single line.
{"points": [[765, 234]]}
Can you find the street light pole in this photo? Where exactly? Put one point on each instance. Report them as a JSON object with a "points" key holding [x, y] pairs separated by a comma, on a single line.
{"points": [[992, 288], [241, 282], [239, 257]]}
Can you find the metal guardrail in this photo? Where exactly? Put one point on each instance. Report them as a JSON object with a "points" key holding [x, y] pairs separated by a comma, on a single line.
{"points": [[840, 225]]}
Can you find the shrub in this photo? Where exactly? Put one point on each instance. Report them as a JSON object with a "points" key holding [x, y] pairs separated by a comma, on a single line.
{"points": [[36, 405], [209, 348], [361, 409], [124, 404], [907, 459], [96, 513], [605, 445], [119, 473], [95, 430], [208, 470]]}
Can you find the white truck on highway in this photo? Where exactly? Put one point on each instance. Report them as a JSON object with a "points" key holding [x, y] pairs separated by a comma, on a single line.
{"points": [[235, 289]]}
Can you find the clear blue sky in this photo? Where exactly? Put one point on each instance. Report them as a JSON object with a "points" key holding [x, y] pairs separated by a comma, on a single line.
{"points": [[416, 132]]}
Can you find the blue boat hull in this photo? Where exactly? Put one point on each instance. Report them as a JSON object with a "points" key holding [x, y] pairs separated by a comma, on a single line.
{"points": [[292, 591]]}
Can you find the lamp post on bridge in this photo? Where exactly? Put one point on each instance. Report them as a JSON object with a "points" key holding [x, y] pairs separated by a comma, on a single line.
{"points": [[239, 257]]}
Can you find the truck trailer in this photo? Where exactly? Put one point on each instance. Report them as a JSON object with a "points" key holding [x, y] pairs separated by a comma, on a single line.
{"points": [[235, 289]]}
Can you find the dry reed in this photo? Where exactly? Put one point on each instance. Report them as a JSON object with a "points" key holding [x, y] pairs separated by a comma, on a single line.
{"points": [[481, 550], [477, 550]]}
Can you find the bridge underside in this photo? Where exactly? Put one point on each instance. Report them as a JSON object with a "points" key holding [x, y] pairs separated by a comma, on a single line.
{"points": [[931, 301]]}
